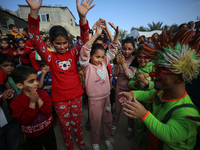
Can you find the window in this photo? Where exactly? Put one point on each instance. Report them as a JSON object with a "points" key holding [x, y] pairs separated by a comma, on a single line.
{"points": [[71, 21], [44, 17]]}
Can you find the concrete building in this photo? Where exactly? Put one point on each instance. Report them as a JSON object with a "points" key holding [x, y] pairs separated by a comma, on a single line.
{"points": [[10, 17], [53, 15]]}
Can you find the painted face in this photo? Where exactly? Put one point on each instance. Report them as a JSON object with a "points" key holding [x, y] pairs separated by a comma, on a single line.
{"points": [[7, 67], [142, 60], [97, 57], [30, 83], [127, 49], [22, 44], [61, 45], [4, 44], [15, 29]]}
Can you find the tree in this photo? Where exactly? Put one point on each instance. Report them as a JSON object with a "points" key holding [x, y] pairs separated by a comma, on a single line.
{"points": [[174, 26], [123, 34], [155, 26], [133, 28], [141, 28]]}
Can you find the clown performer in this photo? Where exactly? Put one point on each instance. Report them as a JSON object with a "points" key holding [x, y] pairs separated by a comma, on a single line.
{"points": [[177, 62]]}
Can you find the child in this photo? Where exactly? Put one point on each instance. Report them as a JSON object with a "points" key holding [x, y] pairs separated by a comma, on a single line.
{"points": [[66, 86], [124, 70], [9, 127], [48, 44], [5, 47], [33, 110], [141, 81], [45, 77], [98, 86], [16, 35]]}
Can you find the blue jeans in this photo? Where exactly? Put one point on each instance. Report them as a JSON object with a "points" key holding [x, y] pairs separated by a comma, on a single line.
{"points": [[10, 136]]}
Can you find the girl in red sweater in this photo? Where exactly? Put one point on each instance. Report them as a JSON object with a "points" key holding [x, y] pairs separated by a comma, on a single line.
{"points": [[66, 85]]}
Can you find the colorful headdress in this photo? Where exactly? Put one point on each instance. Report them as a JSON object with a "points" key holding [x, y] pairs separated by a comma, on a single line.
{"points": [[179, 53]]}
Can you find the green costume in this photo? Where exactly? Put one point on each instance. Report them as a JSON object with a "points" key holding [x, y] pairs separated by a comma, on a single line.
{"points": [[179, 133], [144, 70]]}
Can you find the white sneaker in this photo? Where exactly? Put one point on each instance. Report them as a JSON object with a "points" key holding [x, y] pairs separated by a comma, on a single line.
{"points": [[109, 144], [95, 147], [113, 130]]}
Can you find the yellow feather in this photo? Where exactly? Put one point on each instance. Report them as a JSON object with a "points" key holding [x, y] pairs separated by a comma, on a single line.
{"points": [[185, 65]]}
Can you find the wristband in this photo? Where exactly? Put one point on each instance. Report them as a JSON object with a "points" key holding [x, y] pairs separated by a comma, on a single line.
{"points": [[91, 31], [11, 90]]}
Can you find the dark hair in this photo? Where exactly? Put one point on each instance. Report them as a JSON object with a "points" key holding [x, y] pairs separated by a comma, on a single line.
{"points": [[22, 39], [7, 40], [46, 38], [20, 74], [129, 40], [77, 38], [10, 26], [57, 31], [6, 58], [0, 31], [42, 63], [99, 38], [26, 29], [96, 46], [181, 26]]}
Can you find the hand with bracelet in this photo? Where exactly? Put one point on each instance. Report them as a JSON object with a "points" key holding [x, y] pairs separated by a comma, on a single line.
{"points": [[8, 94]]}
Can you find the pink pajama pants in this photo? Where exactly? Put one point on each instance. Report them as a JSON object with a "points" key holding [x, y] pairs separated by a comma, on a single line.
{"points": [[69, 114], [100, 113], [118, 109]]}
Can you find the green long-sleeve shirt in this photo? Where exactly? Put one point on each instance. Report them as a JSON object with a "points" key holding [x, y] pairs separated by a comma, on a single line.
{"points": [[179, 133], [144, 70]]}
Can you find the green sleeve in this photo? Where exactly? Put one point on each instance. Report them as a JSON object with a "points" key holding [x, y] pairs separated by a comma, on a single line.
{"points": [[131, 84], [151, 85], [177, 129], [144, 95]]}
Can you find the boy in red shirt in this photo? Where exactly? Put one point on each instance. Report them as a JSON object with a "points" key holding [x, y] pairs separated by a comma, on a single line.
{"points": [[33, 110]]}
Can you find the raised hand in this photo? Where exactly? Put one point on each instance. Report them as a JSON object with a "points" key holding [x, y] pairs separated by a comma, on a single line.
{"points": [[84, 7], [94, 27], [99, 28], [116, 28], [35, 6]]}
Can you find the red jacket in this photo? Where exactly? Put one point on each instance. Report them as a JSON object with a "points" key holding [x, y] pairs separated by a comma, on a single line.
{"points": [[8, 51], [36, 121], [66, 83]]}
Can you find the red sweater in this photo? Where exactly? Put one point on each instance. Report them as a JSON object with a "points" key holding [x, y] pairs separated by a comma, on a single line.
{"points": [[3, 78], [8, 51], [34, 122], [66, 83]]}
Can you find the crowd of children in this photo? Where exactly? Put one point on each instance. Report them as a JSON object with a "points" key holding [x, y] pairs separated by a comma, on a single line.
{"points": [[43, 79]]}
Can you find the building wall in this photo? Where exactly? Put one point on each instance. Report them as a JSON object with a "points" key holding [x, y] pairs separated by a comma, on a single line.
{"points": [[6, 18], [57, 15]]}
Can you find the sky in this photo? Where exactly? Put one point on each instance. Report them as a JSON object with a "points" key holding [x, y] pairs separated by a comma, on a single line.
{"points": [[128, 13]]}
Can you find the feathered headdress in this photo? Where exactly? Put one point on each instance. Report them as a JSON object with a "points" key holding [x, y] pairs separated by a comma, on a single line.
{"points": [[178, 53]]}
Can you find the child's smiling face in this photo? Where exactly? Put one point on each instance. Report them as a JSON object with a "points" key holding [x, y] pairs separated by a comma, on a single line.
{"points": [[142, 59], [60, 44]]}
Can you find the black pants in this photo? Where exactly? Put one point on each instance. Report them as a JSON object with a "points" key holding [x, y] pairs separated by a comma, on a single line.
{"points": [[47, 139]]}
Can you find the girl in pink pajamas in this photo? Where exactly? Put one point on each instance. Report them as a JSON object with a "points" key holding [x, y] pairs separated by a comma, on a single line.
{"points": [[94, 61]]}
